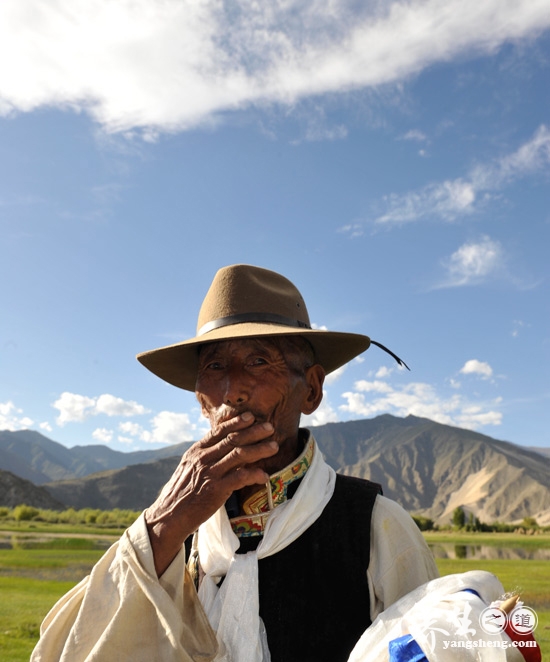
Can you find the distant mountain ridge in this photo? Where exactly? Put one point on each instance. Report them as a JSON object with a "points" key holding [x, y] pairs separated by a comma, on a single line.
{"points": [[33, 456], [429, 468], [134, 487]]}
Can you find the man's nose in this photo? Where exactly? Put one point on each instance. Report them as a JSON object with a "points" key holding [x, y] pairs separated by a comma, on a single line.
{"points": [[237, 387]]}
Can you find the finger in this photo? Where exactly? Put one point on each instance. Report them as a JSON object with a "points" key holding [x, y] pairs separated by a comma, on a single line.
{"points": [[240, 447], [240, 438], [221, 430], [233, 452], [239, 457], [248, 436], [248, 475], [237, 449]]}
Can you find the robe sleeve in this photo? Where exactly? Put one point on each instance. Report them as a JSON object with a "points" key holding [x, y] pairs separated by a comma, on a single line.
{"points": [[400, 558], [122, 611]]}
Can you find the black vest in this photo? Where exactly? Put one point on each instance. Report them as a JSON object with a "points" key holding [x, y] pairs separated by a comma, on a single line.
{"points": [[314, 595]]}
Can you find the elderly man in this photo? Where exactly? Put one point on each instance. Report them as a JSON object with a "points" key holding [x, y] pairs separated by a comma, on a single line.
{"points": [[255, 549]]}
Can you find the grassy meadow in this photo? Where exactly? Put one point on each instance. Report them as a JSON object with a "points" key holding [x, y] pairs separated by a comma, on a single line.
{"points": [[42, 565], [32, 579]]}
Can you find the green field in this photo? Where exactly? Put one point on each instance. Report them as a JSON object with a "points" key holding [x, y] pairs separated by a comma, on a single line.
{"points": [[33, 577], [31, 581]]}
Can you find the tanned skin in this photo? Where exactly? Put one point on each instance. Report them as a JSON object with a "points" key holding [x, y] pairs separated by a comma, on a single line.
{"points": [[253, 393]]}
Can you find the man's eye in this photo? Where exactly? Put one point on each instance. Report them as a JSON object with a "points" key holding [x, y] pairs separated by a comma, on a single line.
{"points": [[258, 360], [214, 365]]}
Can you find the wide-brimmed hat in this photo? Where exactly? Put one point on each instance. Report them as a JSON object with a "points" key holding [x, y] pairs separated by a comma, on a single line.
{"points": [[247, 302]]}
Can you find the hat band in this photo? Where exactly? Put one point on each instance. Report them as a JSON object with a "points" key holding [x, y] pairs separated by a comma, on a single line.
{"points": [[251, 317]]}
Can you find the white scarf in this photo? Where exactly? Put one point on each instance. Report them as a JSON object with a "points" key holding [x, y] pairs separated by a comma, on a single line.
{"points": [[233, 610]]}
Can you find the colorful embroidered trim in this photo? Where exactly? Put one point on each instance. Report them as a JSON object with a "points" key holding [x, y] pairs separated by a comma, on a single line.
{"points": [[256, 507]]}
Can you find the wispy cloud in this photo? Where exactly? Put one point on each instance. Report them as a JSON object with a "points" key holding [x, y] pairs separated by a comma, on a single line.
{"points": [[415, 135], [167, 66], [445, 200], [454, 198], [335, 375], [518, 327], [473, 263], [324, 414]]}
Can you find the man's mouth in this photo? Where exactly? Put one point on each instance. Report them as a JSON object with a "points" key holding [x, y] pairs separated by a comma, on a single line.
{"points": [[228, 416]]}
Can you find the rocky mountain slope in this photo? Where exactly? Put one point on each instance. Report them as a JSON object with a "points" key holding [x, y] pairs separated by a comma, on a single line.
{"points": [[15, 491], [427, 467], [431, 468]]}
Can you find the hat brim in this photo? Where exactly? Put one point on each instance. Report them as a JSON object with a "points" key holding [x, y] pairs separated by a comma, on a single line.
{"points": [[178, 364]]}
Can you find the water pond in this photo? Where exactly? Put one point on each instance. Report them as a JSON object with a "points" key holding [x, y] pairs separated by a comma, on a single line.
{"points": [[480, 551], [10, 540]]}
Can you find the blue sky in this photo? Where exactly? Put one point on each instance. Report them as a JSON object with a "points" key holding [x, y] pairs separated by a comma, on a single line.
{"points": [[390, 158]]}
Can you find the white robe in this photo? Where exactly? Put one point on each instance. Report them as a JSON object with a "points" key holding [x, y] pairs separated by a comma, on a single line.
{"points": [[122, 611]]}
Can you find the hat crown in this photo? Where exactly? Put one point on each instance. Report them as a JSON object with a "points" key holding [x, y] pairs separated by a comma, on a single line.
{"points": [[245, 290]]}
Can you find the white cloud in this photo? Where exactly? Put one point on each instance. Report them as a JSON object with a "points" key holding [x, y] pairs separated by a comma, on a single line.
{"points": [[169, 427], [473, 417], [11, 417], [451, 199], [383, 372], [131, 428], [103, 434], [74, 407], [473, 262], [375, 387], [113, 406], [45, 426], [419, 399], [174, 64], [475, 367]]}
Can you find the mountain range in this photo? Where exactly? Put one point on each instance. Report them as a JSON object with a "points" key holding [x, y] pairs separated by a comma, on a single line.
{"points": [[429, 468]]}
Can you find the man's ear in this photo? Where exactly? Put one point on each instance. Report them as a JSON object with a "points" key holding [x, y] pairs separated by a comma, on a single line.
{"points": [[315, 377]]}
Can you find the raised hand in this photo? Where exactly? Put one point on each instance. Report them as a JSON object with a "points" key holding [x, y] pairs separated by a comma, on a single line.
{"points": [[208, 473]]}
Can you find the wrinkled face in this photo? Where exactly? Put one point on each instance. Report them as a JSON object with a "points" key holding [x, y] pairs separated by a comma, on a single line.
{"points": [[257, 375]]}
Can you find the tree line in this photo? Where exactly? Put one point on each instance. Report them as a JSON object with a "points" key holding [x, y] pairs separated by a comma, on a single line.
{"points": [[120, 518], [463, 521], [116, 518]]}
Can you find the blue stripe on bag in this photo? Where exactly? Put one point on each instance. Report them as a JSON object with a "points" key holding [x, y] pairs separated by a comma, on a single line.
{"points": [[405, 649]]}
